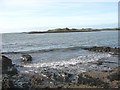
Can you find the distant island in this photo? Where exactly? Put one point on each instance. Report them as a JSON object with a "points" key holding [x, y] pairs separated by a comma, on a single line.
{"points": [[63, 30]]}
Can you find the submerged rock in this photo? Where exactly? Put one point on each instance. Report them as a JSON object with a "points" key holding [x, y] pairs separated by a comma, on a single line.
{"points": [[26, 57]]}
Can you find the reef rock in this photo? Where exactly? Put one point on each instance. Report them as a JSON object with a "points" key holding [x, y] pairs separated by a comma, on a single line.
{"points": [[26, 57]]}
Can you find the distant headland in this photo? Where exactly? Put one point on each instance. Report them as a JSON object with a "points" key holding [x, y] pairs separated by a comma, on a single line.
{"points": [[64, 30]]}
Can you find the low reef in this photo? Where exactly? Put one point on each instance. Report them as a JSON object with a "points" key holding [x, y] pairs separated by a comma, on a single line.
{"points": [[114, 50]]}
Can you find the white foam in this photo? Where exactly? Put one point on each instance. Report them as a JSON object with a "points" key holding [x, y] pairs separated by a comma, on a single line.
{"points": [[67, 63]]}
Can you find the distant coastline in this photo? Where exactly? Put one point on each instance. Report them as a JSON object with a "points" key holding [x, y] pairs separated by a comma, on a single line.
{"points": [[65, 30]]}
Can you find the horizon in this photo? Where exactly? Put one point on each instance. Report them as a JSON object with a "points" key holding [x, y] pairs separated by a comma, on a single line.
{"points": [[37, 15]]}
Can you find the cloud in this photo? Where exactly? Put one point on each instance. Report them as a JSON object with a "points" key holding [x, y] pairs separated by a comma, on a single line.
{"points": [[32, 1], [17, 14], [59, 21]]}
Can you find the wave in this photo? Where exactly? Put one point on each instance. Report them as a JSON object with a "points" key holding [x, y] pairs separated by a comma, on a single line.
{"points": [[45, 50], [71, 64], [89, 48]]}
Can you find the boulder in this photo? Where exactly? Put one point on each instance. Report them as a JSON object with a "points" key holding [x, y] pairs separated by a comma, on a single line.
{"points": [[6, 62], [12, 71], [26, 57], [7, 66]]}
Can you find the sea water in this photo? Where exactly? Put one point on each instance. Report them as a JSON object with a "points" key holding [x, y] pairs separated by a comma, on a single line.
{"points": [[59, 50]]}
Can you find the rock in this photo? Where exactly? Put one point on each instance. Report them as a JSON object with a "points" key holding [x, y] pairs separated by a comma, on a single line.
{"points": [[92, 81], [12, 71], [58, 77], [25, 86], [115, 75], [63, 77], [7, 83], [7, 66], [36, 80], [6, 62], [26, 57], [99, 49], [69, 77], [99, 62], [115, 50]]}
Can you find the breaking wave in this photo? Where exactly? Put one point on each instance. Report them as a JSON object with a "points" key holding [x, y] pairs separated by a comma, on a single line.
{"points": [[74, 62], [45, 50]]}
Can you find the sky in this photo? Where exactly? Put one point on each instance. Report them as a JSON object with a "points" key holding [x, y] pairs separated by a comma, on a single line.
{"points": [[41, 15]]}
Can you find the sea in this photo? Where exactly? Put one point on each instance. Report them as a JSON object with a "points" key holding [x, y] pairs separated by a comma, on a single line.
{"points": [[60, 51]]}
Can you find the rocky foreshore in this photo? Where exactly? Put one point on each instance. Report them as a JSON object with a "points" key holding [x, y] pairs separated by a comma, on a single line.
{"points": [[114, 51], [53, 78]]}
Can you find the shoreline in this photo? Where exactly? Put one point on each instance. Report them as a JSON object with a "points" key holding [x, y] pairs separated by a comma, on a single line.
{"points": [[55, 78]]}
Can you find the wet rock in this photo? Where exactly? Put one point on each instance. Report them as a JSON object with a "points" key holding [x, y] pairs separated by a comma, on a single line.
{"points": [[37, 80], [99, 62], [70, 77], [88, 80], [57, 77], [115, 75], [26, 86], [63, 77], [12, 71], [99, 49], [26, 57], [7, 83], [103, 49], [7, 66], [6, 62]]}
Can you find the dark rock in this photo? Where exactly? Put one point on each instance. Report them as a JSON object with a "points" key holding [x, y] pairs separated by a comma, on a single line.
{"points": [[99, 62], [25, 86], [58, 77], [69, 77], [26, 57], [103, 49], [36, 80], [12, 71], [7, 83], [88, 80], [63, 77], [7, 66], [6, 62], [115, 75]]}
